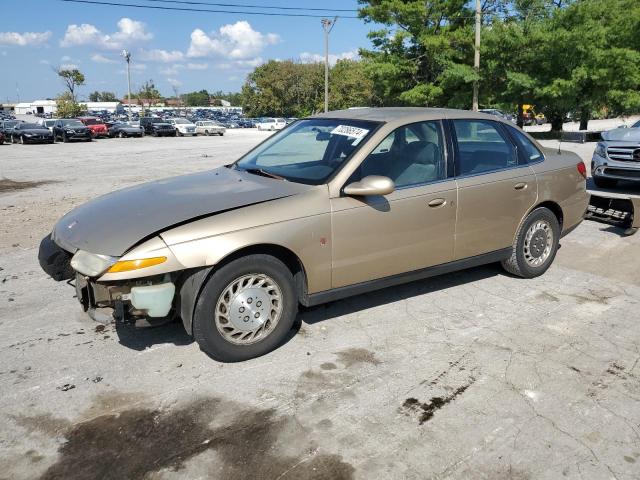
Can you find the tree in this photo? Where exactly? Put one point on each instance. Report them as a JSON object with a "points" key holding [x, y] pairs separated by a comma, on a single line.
{"points": [[103, 97], [67, 107], [350, 86], [424, 55], [72, 78], [284, 89], [148, 94], [196, 99]]}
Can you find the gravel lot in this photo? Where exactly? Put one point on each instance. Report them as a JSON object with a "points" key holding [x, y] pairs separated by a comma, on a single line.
{"points": [[474, 375]]}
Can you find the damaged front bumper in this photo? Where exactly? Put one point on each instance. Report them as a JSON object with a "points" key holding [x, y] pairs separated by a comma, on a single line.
{"points": [[122, 300]]}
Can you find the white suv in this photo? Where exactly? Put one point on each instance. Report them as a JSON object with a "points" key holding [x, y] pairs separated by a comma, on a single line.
{"points": [[271, 123], [183, 126]]}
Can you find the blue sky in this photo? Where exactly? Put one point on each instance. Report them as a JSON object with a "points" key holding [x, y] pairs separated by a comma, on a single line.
{"points": [[187, 49]]}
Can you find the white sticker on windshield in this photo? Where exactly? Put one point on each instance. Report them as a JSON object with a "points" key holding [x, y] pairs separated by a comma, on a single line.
{"points": [[351, 132]]}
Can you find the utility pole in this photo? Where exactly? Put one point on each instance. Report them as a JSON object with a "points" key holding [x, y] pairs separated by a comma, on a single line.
{"points": [[476, 57], [127, 57], [327, 26]]}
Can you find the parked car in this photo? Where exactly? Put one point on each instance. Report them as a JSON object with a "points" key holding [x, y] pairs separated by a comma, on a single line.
{"points": [[335, 205], [617, 157], [157, 127], [271, 123], [183, 126], [6, 126], [31, 133], [124, 130], [209, 127], [498, 113], [2, 138], [96, 126], [48, 123], [68, 129]]}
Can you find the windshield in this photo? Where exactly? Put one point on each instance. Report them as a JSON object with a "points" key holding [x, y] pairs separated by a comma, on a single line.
{"points": [[156, 120], [72, 123], [90, 121], [308, 151], [10, 124], [25, 126], [181, 121]]}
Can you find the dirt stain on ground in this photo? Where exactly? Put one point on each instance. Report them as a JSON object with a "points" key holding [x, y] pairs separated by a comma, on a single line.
{"points": [[427, 410], [44, 423], [354, 356], [328, 366], [7, 185], [139, 441]]}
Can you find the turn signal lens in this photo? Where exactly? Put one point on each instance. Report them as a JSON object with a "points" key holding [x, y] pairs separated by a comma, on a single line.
{"points": [[128, 265], [582, 169]]}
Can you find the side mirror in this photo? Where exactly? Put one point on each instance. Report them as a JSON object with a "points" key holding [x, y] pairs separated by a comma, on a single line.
{"points": [[371, 185]]}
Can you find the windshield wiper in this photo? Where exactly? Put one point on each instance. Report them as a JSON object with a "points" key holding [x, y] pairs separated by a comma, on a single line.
{"points": [[264, 173]]}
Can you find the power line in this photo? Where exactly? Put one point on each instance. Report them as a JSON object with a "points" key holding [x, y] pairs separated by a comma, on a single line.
{"points": [[262, 7], [201, 10]]}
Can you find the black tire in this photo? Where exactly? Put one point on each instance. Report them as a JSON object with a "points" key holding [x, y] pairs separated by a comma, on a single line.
{"points": [[517, 264], [206, 132], [179, 134], [205, 331], [65, 139], [121, 134], [221, 134], [602, 182]]}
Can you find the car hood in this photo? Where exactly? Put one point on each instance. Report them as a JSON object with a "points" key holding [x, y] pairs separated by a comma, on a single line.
{"points": [[622, 135], [37, 131], [113, 223]]}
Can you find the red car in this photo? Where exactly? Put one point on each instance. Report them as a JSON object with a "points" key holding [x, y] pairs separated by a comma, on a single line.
{"points": [[98, 129]]}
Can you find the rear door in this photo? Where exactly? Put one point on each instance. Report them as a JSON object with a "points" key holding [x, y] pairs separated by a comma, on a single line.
{"points": [[495, 189]]}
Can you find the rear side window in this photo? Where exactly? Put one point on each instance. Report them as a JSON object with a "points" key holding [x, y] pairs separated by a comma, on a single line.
{"points": [[529, 152], [482, 147]]}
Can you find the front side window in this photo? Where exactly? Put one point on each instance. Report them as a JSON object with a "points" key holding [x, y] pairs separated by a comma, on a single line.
{"points": [[410, 155], [482, 147], [308, 151]]}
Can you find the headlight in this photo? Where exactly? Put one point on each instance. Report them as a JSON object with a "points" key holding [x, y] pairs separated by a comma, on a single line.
{"points": [[91, 264], [601, 150], [128, 265], [70, 131]]}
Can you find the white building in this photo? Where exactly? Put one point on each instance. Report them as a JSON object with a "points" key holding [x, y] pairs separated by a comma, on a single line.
{"points": [[38, 106], [111, 107]]}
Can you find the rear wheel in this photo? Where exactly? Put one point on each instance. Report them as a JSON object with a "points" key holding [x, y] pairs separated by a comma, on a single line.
{"points": [[246, 309], [65, 139], [206, 132], [602, 182], [122, 134], [535, 245]]}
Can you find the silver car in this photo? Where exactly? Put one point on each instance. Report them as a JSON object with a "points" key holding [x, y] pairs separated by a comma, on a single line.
{"points": [[617, 157]]}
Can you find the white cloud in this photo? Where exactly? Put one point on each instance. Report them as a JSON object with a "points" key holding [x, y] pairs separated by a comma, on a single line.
{"points": [[173, 70], [24, 39], [197, 66], [164, 56], [307, 57], [3, 53], [98, 58], [68, 66], [236, 41], [129, 32], [174, 82], [45, 62]]}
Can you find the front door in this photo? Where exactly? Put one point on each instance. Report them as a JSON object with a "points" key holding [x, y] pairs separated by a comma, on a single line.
{"points": [[409, 229]]}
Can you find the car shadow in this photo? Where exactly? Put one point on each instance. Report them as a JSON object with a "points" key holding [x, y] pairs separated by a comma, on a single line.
{"points": [[139, 339], [320, 313]]}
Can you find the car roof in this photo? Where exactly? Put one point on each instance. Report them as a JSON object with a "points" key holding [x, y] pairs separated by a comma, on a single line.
{"points": [[404, 115]]}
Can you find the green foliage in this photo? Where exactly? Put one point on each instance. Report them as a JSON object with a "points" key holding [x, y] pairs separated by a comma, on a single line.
{"points": [[67, 107], [293, 89], [196, 99], [72, 78], [103, 97], [148, 94]]}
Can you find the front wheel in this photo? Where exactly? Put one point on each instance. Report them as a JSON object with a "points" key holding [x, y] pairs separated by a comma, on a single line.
{"points": [[535, 245], [246, 309]]}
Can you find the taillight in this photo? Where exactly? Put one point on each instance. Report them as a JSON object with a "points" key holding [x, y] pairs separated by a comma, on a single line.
{"points": [[582, 169]]}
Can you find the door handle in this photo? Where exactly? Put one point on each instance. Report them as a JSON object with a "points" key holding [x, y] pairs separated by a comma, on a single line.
{"points": [[520, 186], [437, 202]]}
